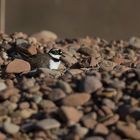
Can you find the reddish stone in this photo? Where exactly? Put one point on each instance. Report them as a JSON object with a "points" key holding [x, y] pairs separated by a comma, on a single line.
{"points": [[71, 114], [2, 136], [18, 66], [32, 50], [76, 99]]}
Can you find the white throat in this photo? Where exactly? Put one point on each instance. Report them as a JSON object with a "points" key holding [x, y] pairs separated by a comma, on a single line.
{"points": [[53, 64]]}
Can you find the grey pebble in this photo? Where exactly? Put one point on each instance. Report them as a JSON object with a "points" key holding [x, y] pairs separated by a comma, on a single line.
{"points": [[47, 124]]}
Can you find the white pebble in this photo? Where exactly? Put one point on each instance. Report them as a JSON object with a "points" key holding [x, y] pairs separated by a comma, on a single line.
{"points": [[4, 55], [11, 128], [47, 124], [2, 86]]}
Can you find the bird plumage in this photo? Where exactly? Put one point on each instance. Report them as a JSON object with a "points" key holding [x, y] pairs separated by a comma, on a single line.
{"points": [[49, 60]]}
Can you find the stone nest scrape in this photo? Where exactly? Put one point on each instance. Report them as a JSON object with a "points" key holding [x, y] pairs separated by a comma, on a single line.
{"points": [[95, 95]]}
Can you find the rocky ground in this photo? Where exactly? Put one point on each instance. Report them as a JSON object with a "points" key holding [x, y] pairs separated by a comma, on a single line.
{"points": [[95, 95]]}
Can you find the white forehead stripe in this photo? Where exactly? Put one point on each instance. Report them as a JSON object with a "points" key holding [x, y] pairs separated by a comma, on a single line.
{"points": [[55, 56]]}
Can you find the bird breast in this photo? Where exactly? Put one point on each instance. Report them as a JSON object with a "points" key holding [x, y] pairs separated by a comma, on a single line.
{"points": [[53, 64]]}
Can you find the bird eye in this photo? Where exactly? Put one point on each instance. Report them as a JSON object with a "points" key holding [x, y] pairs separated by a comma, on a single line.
{"points": [[60, 52], [55, 52]]}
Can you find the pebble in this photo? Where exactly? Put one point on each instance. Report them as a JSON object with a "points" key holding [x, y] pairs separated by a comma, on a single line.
{"points": [[4, 55], [28, 83], [76, 99], [27, 49], [89, 120], [113, 136], [134, 42], [69, 60], [64, 86], [93, 62], [119, 60], [71, 115], [138, 124], [37, 99], [88, 51], [2, 86], [135, 113], [9, 83], [57, 104], [107, 110], [11, 128], [87, 41], [26, 113], [47, 104], [28, 126], [41, 134], [81, 131], [92, 84], [48, 124], [112, 120], [48, 72], [109, 103], [32, 40], [118, 84], [56, 94], [129, 130], [95, 138], [107, 65], [101, 129], [19, 35], [24, 105], [10, 106], [2, 136], [45, 36], [1, 61], [9, 93], [18, 66], [34, 89], [75, 71], [109, 93], [21, 41], [32, 50], [134, 102]]}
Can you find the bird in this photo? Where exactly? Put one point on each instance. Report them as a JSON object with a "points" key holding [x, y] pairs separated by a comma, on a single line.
{"points": [[50, 60]]}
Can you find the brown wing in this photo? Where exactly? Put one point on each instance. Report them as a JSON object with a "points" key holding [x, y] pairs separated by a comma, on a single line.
{"points": [[40, 60]]}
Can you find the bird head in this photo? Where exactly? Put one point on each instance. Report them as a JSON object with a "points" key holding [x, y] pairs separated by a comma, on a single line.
{"points": [[55, 53]]}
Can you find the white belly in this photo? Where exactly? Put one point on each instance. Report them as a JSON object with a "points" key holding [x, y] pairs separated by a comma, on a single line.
{"points": [[54, 65]]}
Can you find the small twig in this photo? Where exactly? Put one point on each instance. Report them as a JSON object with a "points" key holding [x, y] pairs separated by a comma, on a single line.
{"points": [[2, 16]]}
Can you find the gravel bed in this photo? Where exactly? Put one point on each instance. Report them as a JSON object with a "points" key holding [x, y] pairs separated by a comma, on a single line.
{"points": [[95, 94]]}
